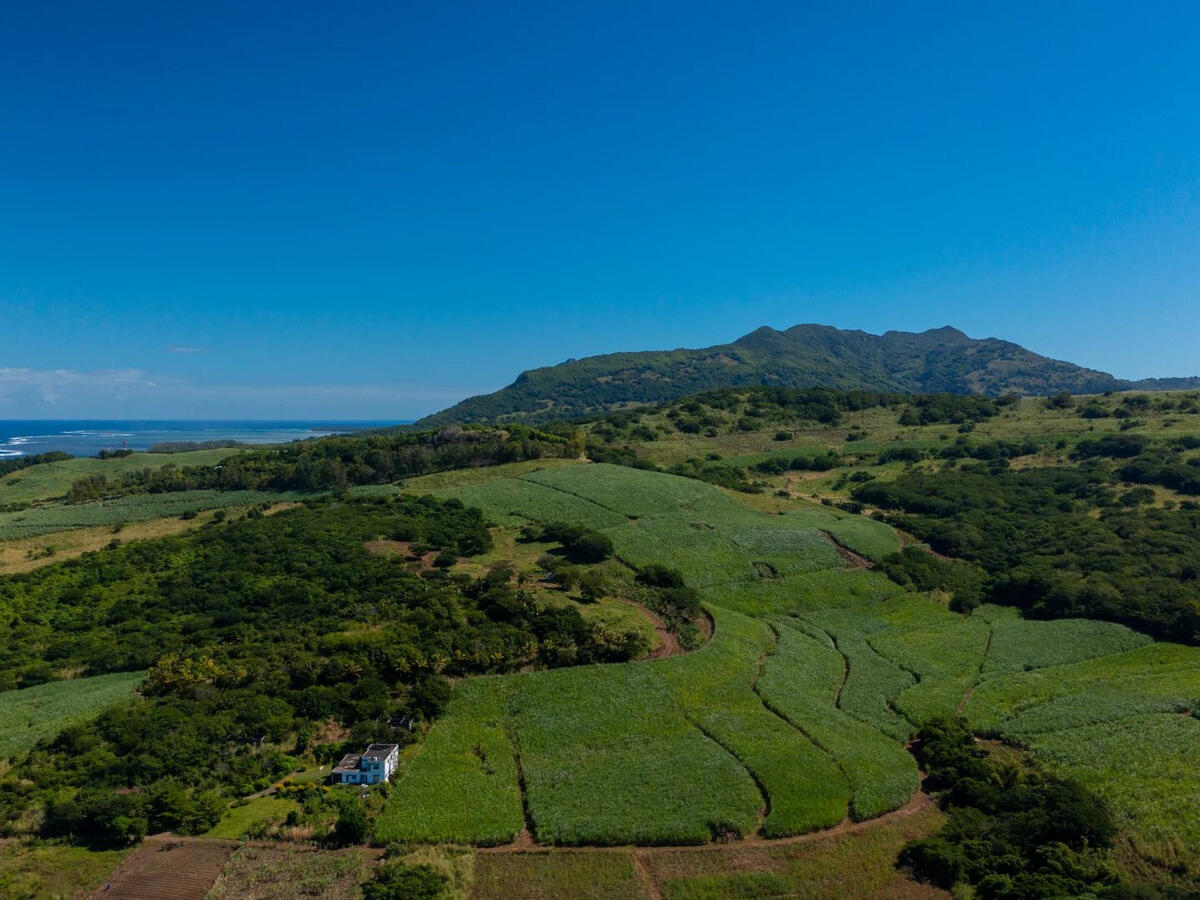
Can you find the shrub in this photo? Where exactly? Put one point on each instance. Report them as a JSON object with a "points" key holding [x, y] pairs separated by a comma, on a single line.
{"points": [[397, 881]]}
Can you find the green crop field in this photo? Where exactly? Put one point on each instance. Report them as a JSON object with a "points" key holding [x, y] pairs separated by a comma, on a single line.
{"points": [[135, 508], [1146, 767], [1019, 645], [795, 714], [515, 501], [801, 681], [50, 480], [31, 714], [467, 754], [35, 869]]}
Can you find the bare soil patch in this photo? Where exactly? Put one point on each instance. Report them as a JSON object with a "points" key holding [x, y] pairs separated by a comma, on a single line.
{"points": [[668, 642], [856, 560], [421, 562], [167, 867]]}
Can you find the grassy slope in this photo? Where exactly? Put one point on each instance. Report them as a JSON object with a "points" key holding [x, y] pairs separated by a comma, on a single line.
{"points": [[42, 869]]}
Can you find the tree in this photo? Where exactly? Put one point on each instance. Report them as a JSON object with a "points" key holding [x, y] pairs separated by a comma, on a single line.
{"points": [[397, 881], [593, 586], [351, 826], [592, 547]]}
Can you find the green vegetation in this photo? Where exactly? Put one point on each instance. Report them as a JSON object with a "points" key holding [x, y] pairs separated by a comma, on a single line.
{"points": [[36, 713], [53, 869], [1011, 832], [282, 873], [801, 681], [1020, 645], [280, 641], [510, 501], [800, 782], [244, 815], [1145, 767], [48, 476], [256, 632], [335, 463], [582, 875], [467, 754], [939, 360], [608, 758], [1029, 531], [38, 520]]}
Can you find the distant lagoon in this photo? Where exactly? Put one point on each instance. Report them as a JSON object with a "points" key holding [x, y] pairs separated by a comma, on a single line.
{"points": [[87, 437]]}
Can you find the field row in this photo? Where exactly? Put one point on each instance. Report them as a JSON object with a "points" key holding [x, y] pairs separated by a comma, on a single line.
{"points": [[41, 520]]}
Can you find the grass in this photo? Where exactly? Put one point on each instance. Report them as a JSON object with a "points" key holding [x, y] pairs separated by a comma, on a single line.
{"points": [[509, 501], [872, 685], [50, 869], [1096, 689], [855, 865], [872, 539], [945, 661], [33, 714], [456, 478], [802, 784], [796, 711], [282, 873], [614, 614], [829, 588], [548, 876], [241, 816], [635, 492]]}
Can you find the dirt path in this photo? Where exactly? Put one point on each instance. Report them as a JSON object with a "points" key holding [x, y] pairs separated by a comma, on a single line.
{"points": [[645, 876], [669, 643], [918, 802], [856, 560]]}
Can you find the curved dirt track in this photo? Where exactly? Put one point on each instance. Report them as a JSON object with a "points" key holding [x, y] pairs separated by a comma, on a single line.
{"points": [[918, 802]]}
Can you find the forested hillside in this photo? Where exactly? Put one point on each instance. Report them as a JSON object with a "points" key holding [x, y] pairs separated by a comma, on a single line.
{"points": [[939, 360]]}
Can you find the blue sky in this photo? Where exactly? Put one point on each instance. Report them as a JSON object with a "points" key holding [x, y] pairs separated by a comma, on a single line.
{"points": [[372, 210]]}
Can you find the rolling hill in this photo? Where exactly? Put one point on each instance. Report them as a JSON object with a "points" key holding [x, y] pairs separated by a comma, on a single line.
{"points": [[938, 360]]}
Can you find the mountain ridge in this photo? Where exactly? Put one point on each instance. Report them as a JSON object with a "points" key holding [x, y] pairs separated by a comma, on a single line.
{"points": [[939, 360]]}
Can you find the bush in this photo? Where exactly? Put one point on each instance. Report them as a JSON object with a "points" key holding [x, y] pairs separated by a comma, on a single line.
{"points": [[352, 826], [660, 577], [934, 860], [397, 881]]}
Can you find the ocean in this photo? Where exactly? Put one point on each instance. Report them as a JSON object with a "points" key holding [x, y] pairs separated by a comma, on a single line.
{"points": [[83, 437]]}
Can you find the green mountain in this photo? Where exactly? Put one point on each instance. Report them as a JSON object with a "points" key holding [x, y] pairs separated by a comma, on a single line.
{"points": [[939, 360]]}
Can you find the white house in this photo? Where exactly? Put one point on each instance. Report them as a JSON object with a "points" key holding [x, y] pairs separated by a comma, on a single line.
{"points": [[373, 765]]}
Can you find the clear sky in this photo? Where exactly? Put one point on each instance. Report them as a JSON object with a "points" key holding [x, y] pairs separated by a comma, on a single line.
{"points": [[372, 210]]}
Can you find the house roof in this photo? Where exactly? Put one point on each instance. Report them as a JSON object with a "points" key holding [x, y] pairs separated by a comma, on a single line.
{"points": [[349, 763], [380, 751]]}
